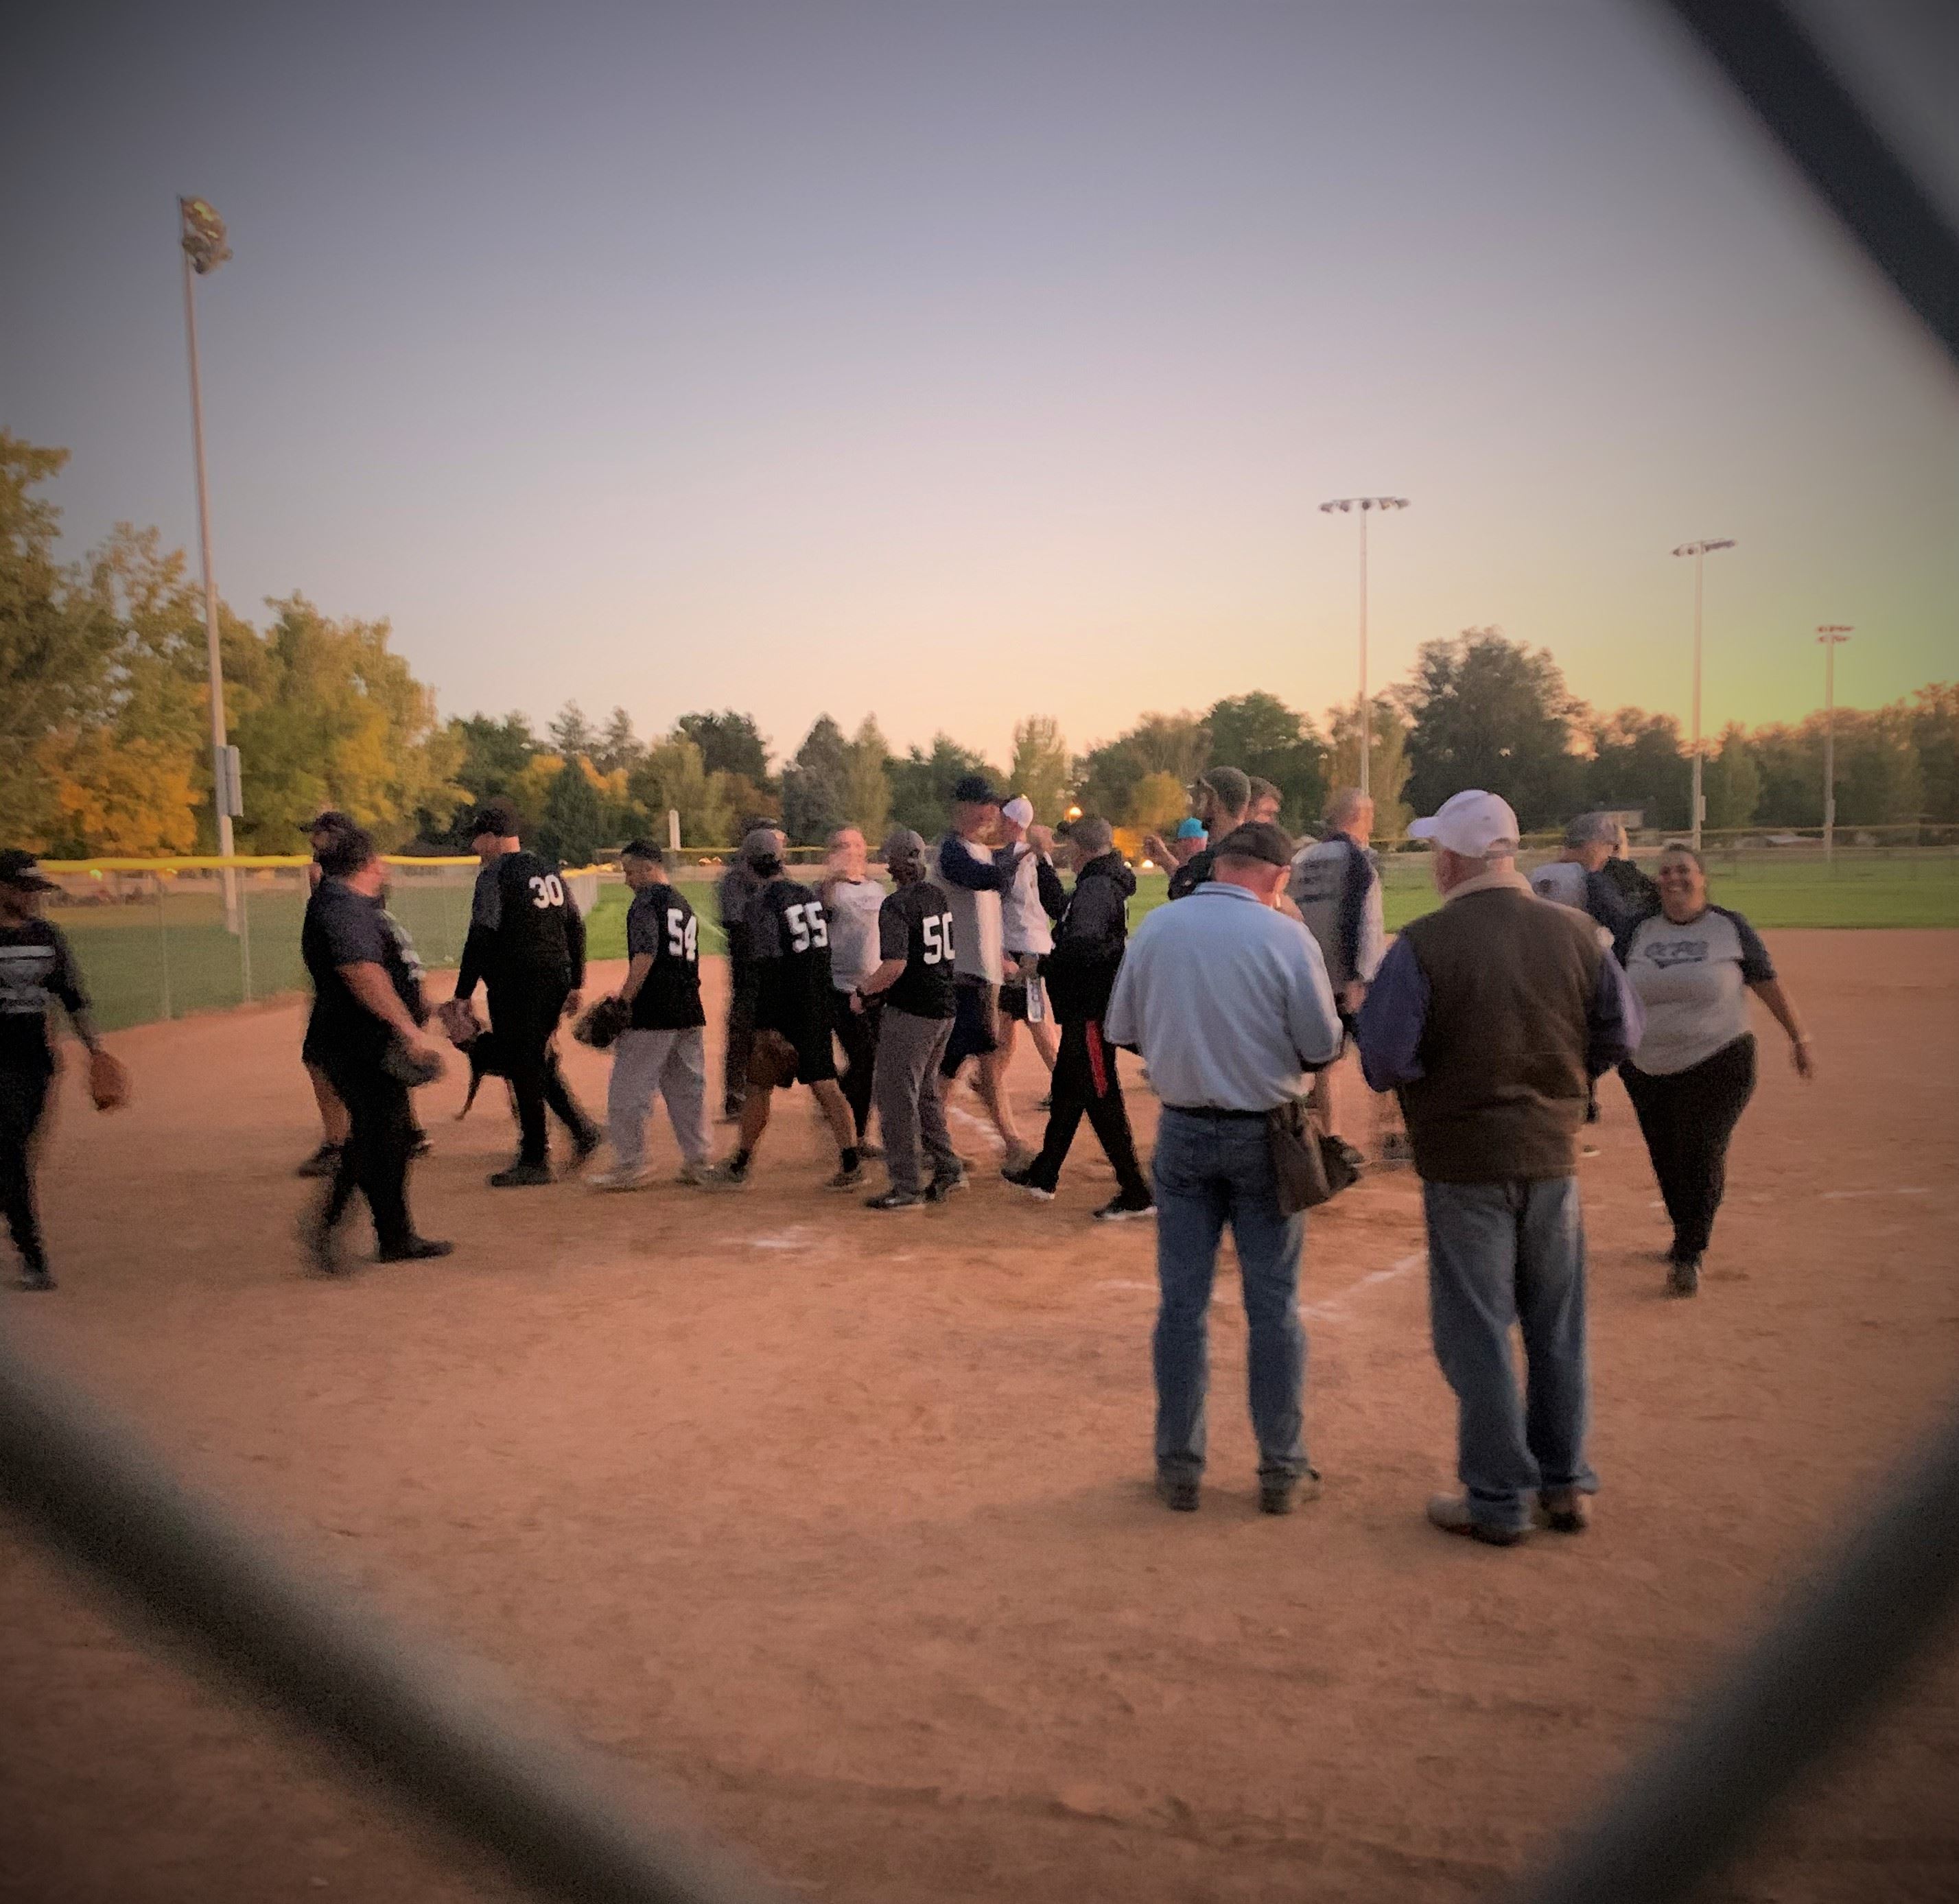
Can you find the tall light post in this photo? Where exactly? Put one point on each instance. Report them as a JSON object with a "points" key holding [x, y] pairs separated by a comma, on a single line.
{"points": [[1700, 551], [1361, 505], [204, 250], [1832, 635]]}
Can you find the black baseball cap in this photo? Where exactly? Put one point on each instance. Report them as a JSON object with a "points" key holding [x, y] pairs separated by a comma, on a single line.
{"points": [[972, 790], [22, 871], [498, 818], [1256, 839], [762, 849], [330, 819]]}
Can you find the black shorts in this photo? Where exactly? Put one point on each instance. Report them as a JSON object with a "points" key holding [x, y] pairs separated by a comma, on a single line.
{"points": [[800, 1055], [972, 1025], [313, 1048], [1014, 995]]}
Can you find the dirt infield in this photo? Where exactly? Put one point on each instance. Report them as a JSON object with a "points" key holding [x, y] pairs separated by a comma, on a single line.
{"points": [[840, 1522]]}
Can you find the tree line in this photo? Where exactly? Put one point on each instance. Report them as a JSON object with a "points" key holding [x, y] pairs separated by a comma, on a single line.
{"points": [[104, 737]]}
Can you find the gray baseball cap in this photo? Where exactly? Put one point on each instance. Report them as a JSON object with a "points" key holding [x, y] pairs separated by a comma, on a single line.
{"points": [[902, 844]]}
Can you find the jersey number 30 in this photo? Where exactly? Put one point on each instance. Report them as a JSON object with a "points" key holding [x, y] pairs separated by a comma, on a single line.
{"points": [[547, 890], [807, 925]]}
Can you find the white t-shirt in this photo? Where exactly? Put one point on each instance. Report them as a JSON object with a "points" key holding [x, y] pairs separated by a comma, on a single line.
{"points": [[853, 906], [1562, 881], [1023, 921], [1693, 981]]}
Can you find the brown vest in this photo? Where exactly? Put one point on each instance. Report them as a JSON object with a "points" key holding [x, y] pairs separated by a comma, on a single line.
{"points": [[1511, 979]]}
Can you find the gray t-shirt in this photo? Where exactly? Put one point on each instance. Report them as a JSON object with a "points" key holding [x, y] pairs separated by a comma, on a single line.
{"points": [[1693, 980], [853, 906]]}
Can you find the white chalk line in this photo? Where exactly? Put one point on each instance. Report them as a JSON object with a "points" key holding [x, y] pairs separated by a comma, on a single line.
{"points": [[1316, 1311], [1841, 1196]]}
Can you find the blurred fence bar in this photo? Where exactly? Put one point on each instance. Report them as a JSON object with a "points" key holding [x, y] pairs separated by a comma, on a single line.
{"points": [[432, 1728]]}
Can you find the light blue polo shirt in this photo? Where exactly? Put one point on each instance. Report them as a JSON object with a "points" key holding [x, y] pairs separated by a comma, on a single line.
{"points": [[1228, 1001]]}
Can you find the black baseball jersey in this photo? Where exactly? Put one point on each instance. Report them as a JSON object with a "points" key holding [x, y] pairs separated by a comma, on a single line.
{"points": [[37, 970], [523, 926], [790, 940], [915, 924], [661, 924], [345, 928]]}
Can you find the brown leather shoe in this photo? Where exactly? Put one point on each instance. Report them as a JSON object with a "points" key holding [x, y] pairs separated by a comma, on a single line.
{"points": [[1564, 1510], [1451, 1512]]}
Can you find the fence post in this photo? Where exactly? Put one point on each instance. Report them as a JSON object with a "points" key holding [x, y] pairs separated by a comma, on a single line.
{"points": [[244, 932], [163, 941]]}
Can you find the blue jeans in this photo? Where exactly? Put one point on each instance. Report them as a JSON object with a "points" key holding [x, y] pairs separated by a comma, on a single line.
{"points": [[1499, 1253], [1209, 1172]]}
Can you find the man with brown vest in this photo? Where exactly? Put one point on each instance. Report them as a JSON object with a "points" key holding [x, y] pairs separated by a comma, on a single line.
{"points": [[1490, 1017]]}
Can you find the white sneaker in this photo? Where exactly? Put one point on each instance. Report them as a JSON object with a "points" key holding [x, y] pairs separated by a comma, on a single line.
{"points": [[618, 1179], [695, 1173]]}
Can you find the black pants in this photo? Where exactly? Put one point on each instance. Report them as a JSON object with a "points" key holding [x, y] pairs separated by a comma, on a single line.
{"points": [[23, 1097], [857, 1032], [525, 1014], [1687, 1118], [740, 1040], [1085, 1084], [374, 1160]]}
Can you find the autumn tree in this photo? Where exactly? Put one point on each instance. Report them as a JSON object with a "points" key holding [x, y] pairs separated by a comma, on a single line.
{"points": [[1041, 768], [867, 784]]}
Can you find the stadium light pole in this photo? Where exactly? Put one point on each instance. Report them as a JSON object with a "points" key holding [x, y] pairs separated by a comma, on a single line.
{"points": [[202, 239], [1349, 504], [1700, 551], [1832, 635]]}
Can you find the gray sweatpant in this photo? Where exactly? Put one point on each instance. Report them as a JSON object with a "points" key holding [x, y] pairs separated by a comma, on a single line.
{"points": [[672, 1063], [905, 1087]]}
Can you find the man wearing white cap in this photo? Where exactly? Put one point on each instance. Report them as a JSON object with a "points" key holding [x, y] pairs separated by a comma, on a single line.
{"points": [[1491, 1017], [1026, 937]]}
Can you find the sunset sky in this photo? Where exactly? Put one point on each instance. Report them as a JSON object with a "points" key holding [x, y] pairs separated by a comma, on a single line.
{"points": [[959, 362]]}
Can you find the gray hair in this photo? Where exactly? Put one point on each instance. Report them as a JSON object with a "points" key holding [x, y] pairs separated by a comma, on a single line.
{"points": [[1593, 829], [1092, 834], [1346, 804]]}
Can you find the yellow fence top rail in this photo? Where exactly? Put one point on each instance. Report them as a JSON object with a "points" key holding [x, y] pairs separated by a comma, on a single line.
{"points": [[252, 862]]}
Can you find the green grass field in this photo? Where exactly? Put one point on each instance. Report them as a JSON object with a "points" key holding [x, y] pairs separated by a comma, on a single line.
{"points": [[156, 959]]}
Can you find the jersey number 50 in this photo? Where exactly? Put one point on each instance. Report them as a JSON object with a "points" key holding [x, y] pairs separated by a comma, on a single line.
{"points": [[937, 931], [547, 890]]}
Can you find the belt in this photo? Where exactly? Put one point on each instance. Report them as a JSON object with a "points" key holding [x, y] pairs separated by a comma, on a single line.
{"points": [[1212, 1110]]}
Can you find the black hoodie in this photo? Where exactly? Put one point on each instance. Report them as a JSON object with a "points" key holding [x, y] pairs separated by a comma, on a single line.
{"points": [[1090, 939]]}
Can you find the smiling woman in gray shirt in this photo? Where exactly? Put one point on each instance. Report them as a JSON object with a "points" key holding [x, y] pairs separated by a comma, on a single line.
{"points": [[1692, 965]]}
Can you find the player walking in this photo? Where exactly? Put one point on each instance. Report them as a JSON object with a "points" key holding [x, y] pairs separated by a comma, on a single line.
{"points": [[1026, 937], [789, 939], [37, 970], [851, 902], [369, 998], [527, 941], [911, 987], [733, 893], [973, 879], [321, 832], [664, 1050]]}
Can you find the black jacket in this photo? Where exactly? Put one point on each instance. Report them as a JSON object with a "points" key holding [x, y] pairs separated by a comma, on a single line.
{"points": [[1089, 940]]}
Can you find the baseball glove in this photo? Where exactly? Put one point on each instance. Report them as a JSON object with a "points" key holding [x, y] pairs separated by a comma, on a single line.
{"points": [[599, 1026], [409, 1067], [108, 1081], [772, 1060], [459, 1021]]}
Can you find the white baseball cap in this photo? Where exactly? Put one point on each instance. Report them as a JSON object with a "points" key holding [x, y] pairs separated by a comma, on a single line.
{"points": [[1472, 823], [1020, 809]]}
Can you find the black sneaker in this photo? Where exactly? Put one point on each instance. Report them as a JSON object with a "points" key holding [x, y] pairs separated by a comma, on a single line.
{"points": [[1122, 1209], [417, 1249], [850, 1179], [895, 1200], [520, 1176], [586, 1141], [323, 1163], [1179, 1493], [734, 1175], [1281, 1494], [321, 1244], [941, 1188], [1023, 1178], [419, 1146], [1683, 1276], [37, 1278]]}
